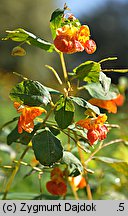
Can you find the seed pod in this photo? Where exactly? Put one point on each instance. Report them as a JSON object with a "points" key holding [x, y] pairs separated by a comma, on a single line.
{"points": [[18, 51]]}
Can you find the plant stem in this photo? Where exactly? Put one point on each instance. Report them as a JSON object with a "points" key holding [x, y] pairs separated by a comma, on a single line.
{"points": [[55, 73], [63, 67], [73, 190], [88, 189], [9, 183], [80, 150], [101, 147]]}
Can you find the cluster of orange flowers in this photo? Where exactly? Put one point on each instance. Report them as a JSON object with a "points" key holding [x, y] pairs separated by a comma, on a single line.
{"points": [[96, 128], [28, 114], [57, 185], [71, 38]]}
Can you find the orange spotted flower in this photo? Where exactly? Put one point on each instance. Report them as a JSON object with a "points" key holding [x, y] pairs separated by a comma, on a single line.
{"points": [[57, 185], [71, 39], [110, 105], [96, 128], [28, 114]]}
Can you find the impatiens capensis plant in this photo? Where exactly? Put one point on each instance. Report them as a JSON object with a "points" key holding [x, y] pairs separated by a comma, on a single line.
{"points": [[45, 115]]}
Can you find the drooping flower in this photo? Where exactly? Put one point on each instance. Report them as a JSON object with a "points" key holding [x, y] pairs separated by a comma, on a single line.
{"points": [[66, 40], [96, 128], [78, 182], [57, 185], [110, 105], [55, 188], [92, 123], [71, 39], [28, 114]]}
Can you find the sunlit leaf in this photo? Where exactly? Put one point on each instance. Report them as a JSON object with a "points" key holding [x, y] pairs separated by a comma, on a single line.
{"points": [[20, 35], [31, 93], [83, 103], [47, 148], [56, 20], [97, 91], [75, 167], [105, 82], [88, 71], [64, 112]]}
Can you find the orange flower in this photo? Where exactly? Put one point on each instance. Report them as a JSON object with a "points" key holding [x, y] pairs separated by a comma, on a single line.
{"points": [[78, 182], [110, 105], [92, 123], [96, 128], [66, 40], [90, 46], [83, 34], [56, 188], [57, 185], [71, 39], [26, 119]]}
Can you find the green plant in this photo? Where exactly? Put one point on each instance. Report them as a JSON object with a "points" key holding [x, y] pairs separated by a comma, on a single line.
{"points": [[66, 161]]}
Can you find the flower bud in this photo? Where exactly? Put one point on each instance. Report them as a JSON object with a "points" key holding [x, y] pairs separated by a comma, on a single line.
{"points": [[18, 51]]}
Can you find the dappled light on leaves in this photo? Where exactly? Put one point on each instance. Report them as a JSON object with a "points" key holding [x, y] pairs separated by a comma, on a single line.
{"points": [[62, 145]]}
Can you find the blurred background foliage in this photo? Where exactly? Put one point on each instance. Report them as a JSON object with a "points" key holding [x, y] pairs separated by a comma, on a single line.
{"points": [[108, 23]]}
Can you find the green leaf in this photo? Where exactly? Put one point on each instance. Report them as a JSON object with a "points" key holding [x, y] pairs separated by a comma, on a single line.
{"points": [[64, 112], [47, 148], [56, 20], [53, 91], [105, 82], [88, 71], [31, 93], [75, 167], [119, 165], [20, 35], [23, 138], [53, 130], [96, 91], [106, 159], [83, 103]]}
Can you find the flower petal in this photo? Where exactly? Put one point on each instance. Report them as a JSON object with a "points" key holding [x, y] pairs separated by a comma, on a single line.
{"points": [[119, 100], [105, 104]]}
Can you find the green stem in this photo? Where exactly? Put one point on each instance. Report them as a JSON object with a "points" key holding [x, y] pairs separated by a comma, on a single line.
{"points": [[9, 183], [88, 189], [55, 73], [115, 70], [101, 147], [63, 67]]}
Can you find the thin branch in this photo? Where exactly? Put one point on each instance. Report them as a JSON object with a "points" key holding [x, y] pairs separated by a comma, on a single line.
{"points": [[55, 73], [101, 147], [9, 183]]}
